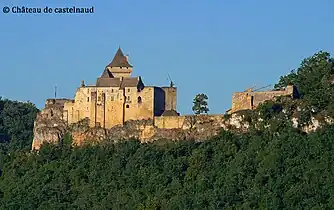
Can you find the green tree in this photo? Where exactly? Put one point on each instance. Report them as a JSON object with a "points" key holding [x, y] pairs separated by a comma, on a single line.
{"points": [[289, 79], [16, 124], [200, 104], [313, 80]]}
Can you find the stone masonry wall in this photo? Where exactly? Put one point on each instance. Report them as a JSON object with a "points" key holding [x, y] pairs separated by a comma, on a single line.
{"points": [[107, 106], [170, 98], [50, 128], [193, 127], [250, 100]]}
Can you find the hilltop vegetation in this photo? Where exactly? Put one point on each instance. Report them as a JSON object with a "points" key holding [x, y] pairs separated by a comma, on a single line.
{"points": [[314, 80], [270, 168], [16, 125]]}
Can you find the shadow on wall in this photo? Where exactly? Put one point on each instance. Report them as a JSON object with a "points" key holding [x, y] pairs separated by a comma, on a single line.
{"points": [[159, 101]]}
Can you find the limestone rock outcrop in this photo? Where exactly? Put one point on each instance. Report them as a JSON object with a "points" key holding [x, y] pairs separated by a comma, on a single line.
{"points": [[48, 127], [51, 128]]}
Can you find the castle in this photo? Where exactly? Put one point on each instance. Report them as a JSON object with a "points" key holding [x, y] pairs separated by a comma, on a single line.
{"points": [[120, 106], [117, 97]]}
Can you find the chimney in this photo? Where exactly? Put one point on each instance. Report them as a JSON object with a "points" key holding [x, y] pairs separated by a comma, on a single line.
{"points": [[127, 57]]}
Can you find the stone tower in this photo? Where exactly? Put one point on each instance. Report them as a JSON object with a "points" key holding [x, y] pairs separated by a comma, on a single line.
{"points": [[119, 66], [170, 98]]}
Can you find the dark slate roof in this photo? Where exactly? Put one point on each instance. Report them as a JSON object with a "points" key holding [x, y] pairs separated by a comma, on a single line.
{"points": [[170, 113], [108, 82], [116, 82], [119, 60], [107, 74], [130, 82]]}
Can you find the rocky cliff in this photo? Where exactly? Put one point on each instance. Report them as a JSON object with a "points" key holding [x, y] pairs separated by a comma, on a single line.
{"points": [[49, 127]]}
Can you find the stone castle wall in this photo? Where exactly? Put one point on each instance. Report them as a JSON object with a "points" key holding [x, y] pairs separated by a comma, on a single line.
{"points": [[111, 106], [251, 100], [51, 128], [108, 107], [116, 114], [170, 98], [169, 122]]}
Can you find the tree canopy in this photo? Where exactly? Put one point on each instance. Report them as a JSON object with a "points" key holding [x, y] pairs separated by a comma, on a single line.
{"points": [[314, 80], [251, 171], [200, 104], [16, 124]]}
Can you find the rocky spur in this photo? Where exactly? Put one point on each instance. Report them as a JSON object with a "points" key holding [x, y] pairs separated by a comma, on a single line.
{"points": [[74, 10]]}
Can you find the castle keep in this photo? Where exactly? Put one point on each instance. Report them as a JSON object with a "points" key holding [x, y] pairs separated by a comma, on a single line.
{"points": [[117, 97]]}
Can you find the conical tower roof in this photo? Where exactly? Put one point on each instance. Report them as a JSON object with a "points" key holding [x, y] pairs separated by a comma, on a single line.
{"points": [[119, 60]]}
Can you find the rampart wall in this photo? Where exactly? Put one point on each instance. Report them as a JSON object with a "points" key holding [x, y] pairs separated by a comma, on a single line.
{"points": [[51, 128], [251, 100]]}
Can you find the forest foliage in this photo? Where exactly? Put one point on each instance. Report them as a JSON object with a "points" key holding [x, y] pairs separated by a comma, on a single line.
{"points": [[16, 125], [200, 104], [272, 168]]}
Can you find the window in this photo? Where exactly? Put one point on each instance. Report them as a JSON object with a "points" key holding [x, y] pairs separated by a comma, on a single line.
{"points": [[139, 100], [99, 98], [87, 99], [112, 90], [112, 98], [128, 98], [128, 89], [127, 106]]}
